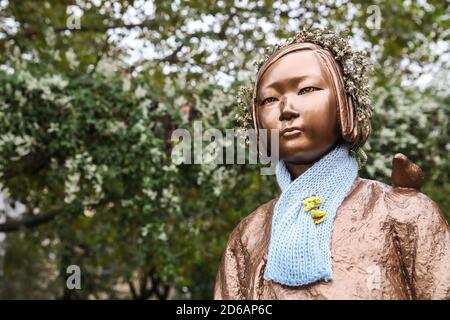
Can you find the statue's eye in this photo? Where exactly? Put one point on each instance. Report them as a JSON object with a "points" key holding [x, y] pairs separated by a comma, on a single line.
{"points": [[268, 100], [307, 90]]}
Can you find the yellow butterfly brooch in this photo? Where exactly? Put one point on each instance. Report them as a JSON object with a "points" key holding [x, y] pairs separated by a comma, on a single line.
{"points": [[311, 204]]}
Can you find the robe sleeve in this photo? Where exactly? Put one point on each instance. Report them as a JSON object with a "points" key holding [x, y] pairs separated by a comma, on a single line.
{"points": [[423, 242], [230, 279], [432, 259]]}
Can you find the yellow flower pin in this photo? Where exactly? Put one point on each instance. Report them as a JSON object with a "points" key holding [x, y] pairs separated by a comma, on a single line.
{"points": [[318, 215], [311, 204]]}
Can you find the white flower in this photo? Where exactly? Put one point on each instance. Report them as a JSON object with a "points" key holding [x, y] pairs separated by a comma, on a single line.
{"points": [[54, 81], [149, 193], [56, 55], [145, 230], [50, 37], [71, 58], [162, 236], [107, 67], [89, 212], [53, 127], [45, 242], [82, 163], [21, 99], [69, 193], [126, 84], [144, 106], [115, 126], [140, 92]]}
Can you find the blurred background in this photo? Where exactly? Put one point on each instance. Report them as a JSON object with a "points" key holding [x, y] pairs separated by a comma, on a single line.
{"points": [[90, 92]]}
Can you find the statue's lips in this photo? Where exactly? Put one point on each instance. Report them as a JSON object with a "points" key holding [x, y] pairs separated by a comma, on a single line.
{"points": [[290, 132]]}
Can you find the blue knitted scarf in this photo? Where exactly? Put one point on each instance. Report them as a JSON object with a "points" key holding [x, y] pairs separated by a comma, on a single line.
{"points": [[302, 223]]}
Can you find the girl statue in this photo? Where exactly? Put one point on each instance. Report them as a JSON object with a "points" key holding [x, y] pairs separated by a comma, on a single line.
{"points": [[331, 234]]}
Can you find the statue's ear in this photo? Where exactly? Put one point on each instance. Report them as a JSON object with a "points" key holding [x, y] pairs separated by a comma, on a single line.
{"points": [[406, 174]]}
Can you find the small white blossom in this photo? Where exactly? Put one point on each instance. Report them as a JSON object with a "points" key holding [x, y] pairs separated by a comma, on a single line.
{"points": [[140, 92], [71, 58]]}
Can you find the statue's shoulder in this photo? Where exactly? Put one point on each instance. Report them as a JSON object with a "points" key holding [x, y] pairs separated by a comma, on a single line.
{"points": [[405, 175], [254, 227], [402, 200]]}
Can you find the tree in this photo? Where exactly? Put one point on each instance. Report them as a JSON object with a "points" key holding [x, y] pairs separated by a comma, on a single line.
{"points": [[86, 121]]}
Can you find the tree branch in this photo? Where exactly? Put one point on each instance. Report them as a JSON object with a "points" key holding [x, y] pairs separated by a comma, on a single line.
{"points": [[28, 222], [102, 29], [34, 221], [31, 164], [132, 290]]}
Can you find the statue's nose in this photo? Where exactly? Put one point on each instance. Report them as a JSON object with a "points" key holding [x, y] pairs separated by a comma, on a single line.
{"points": [[287, 108]]}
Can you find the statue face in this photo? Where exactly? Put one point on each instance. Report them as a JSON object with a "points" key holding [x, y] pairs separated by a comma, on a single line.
{"points": [[295, 96]]}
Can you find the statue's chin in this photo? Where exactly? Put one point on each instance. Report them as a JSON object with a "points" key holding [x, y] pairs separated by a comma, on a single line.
{"points": [[300, 159], [301, 154]]}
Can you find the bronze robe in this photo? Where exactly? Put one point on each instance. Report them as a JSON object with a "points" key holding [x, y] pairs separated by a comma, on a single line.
{"points": [[387, 243]]}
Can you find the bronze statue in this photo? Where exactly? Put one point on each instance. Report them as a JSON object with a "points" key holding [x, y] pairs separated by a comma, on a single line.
{"points": [[386, 242]]}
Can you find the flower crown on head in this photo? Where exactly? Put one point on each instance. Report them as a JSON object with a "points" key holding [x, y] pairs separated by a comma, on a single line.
{"points": [[355, 67]]}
